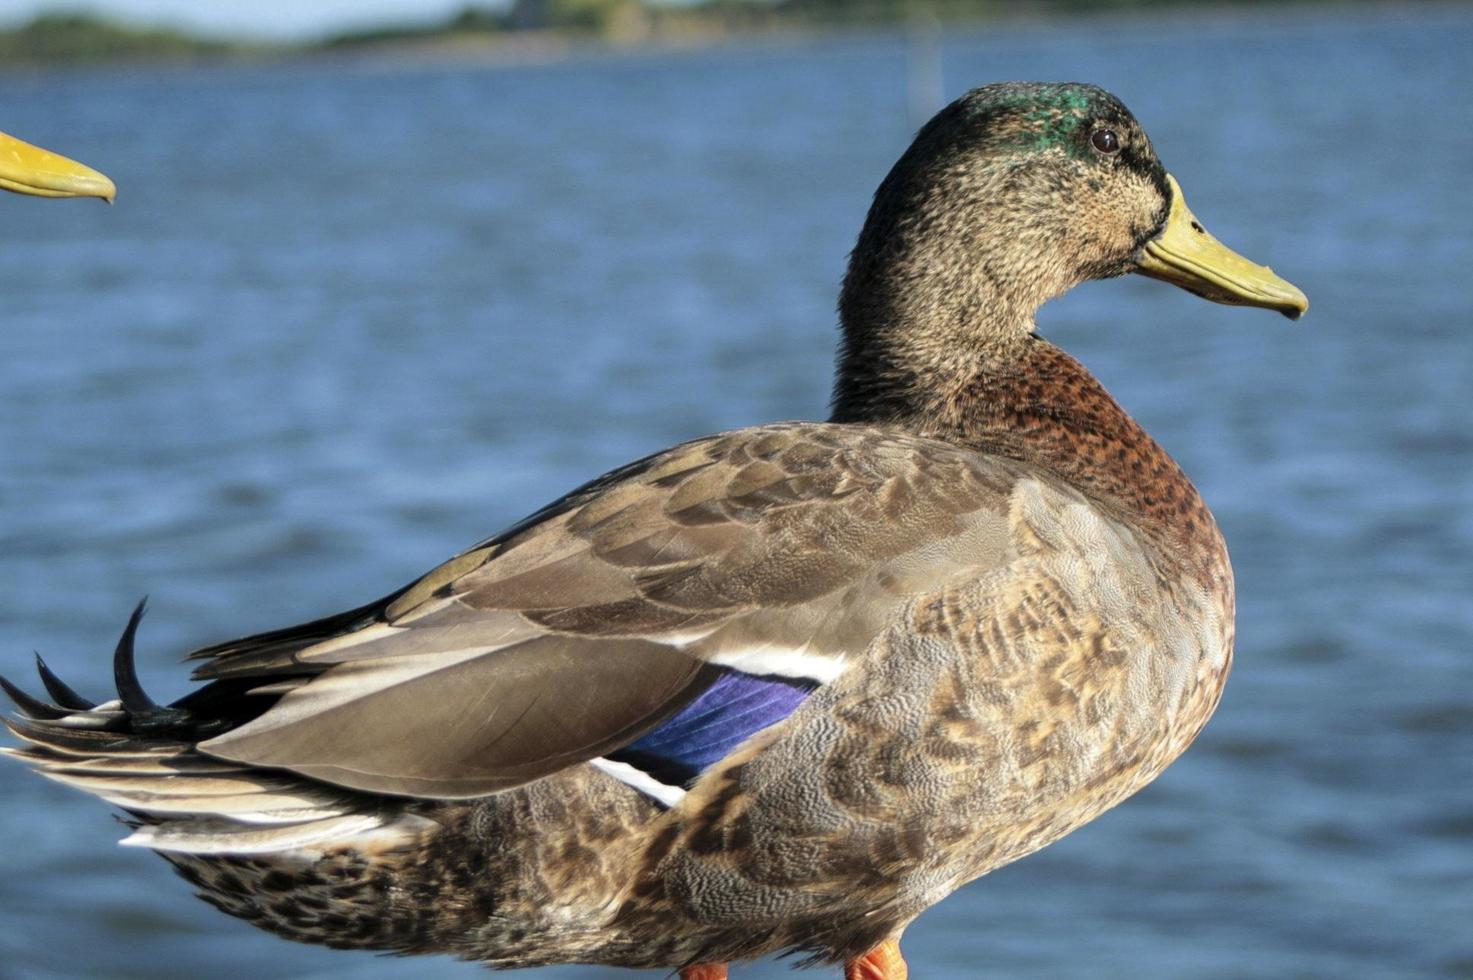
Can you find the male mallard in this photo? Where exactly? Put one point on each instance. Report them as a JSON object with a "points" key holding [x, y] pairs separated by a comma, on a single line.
{"points": [[28, 169], [779, 689]]}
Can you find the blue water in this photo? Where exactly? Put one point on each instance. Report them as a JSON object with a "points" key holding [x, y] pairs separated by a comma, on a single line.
{"points": [[344, 321]]}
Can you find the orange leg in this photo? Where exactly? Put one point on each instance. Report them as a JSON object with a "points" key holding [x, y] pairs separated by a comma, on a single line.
{"points": [[704, 971], [884, 962]]}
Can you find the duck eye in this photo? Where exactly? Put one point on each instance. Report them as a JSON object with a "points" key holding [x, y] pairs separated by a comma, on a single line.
{"points": [[1105, 141]]}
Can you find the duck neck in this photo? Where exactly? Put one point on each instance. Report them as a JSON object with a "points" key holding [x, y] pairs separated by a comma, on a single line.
{"points": [[898, 341], [906, 359], [943, 281]]}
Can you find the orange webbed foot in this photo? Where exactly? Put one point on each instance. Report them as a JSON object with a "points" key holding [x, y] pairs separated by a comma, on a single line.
{"points": [[704, 971], [884, 962]]}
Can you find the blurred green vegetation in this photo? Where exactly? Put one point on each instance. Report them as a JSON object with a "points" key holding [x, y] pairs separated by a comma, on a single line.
{"points": [[81, 38], [84, 38]]}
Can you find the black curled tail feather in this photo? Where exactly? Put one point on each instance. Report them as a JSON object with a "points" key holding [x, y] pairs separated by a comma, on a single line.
{"points": [[125, 673], [144, 715], [32, 707], [60, 693]]}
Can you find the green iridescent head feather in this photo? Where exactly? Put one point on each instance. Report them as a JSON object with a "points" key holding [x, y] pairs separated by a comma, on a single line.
{"points": [[1037, 116]]}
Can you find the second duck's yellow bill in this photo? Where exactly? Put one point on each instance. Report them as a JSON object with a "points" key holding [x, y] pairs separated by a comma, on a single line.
{"points": [[1186, 255], [28, 169]]}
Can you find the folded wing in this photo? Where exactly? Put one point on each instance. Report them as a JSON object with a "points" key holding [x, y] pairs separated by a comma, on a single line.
{"points": [[774, 552]]}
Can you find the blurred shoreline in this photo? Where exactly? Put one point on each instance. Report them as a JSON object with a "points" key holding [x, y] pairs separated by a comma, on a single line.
{"points": [[474, 37]]}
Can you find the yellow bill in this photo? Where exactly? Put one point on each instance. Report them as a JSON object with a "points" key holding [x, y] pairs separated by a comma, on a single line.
{"points": [[28, 169], [1187, 256]]}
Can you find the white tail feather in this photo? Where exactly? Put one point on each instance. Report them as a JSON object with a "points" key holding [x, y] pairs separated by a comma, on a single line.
{"points": [[214, 836], [177, 795]]}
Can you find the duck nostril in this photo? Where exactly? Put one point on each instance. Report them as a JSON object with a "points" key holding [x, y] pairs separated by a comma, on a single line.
{"points": [[1198, 228]]}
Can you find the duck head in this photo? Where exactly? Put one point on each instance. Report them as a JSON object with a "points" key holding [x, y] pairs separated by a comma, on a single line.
{"points": [[1010, 196], [27, 169]]}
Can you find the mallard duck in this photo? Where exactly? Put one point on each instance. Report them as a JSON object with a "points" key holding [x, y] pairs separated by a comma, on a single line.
{"points": [[27, 169], [777, 690]]}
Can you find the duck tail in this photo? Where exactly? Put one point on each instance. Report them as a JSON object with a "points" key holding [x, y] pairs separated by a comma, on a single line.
{"points": [[143, 757]]}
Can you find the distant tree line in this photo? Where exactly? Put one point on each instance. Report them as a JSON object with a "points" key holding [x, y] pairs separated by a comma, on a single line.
{"points": [[83, 38], [647, 17], [80, 38]]}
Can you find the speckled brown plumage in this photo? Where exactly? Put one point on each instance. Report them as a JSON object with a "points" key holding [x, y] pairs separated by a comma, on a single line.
{"points": [[1012, 607]]}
